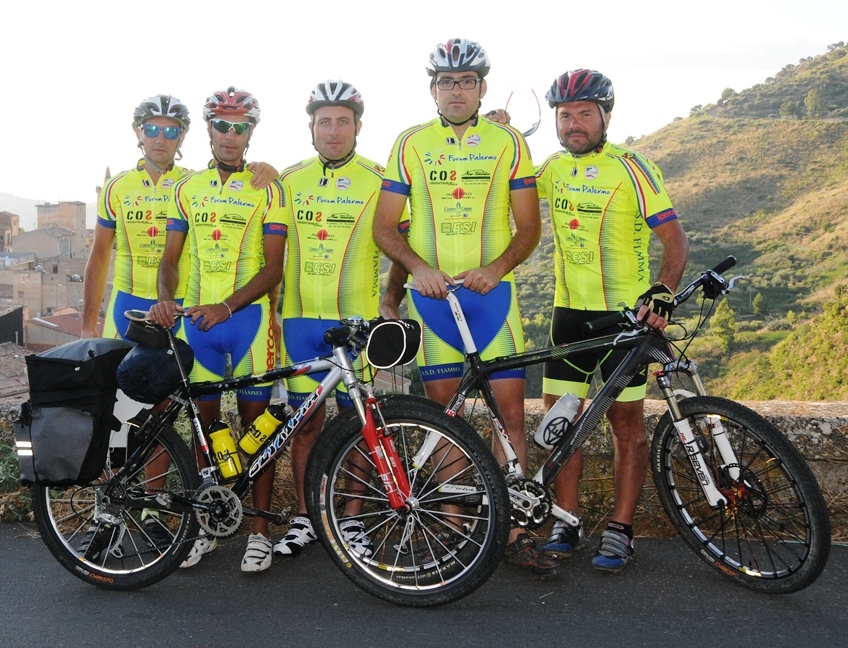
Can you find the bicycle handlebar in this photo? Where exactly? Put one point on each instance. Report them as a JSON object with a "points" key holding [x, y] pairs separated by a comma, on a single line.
{"points": [[711, 281]]}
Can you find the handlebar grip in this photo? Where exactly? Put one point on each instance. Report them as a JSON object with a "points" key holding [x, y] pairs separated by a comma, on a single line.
{"points": [[604, 322], [725, 265], [337, 335]]}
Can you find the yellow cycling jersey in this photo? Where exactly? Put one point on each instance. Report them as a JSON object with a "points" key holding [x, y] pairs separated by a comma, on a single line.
{"points": [[136, 208], [332, 265], [603, 206], [225, 224], [459, 190]]}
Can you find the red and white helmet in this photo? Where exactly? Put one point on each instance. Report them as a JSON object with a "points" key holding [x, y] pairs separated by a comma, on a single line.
{"points": [[582, 85], [336, 93], [458, 55], [230, 103], [161, 106]]}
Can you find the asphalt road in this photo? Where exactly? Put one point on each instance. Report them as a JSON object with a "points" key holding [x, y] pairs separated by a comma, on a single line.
{"points": [[666, 597]]}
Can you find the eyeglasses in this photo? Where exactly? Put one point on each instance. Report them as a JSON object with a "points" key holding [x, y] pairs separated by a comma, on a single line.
{"points": [[152, 131], [450, 84], [224, 126]]}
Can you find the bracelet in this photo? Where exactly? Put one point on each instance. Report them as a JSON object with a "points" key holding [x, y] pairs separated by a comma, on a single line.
{"points": [[228, 308]]}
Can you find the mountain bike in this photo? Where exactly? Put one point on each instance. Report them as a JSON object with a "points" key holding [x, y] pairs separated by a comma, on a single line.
{"points": [[422, 484], [734, 487]]}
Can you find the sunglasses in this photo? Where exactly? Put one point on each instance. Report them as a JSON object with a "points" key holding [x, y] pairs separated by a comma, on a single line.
{"points": [[224, 126], [152, 131]]}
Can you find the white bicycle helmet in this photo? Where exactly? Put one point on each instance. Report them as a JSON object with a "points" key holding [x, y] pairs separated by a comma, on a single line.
{"points": [[161, 106], [336, 93], [458, 55]]}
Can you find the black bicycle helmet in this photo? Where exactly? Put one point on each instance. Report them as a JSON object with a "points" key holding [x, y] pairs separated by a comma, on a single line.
{"points": [[149, 375], [582, 85]]}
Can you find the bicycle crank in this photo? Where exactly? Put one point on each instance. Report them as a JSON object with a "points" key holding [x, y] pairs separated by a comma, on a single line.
{"points": [[531, 504], [218, 510]]}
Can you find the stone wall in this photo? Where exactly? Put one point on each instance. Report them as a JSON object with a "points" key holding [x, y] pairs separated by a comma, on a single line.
{"points": [[818, 430]]}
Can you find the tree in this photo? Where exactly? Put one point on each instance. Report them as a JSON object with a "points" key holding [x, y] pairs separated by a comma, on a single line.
{"points": [[629, 141], [727, 93], [814, 103], [790, 109], [759, 305], [723, 326], [694, 110]]}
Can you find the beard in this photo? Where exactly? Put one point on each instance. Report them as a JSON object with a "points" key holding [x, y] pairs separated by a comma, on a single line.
{"points": [[588, 143]]}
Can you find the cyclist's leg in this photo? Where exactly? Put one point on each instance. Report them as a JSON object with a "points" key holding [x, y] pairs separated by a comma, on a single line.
{"points": [[631, 456]]}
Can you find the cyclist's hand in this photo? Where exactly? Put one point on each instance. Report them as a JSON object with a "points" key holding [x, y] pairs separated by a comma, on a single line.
{"points": [[655, 306], [388, 311], [208, 315], [263, 174], [500, 116], [164, 312], [430, 282], [480, 280]]}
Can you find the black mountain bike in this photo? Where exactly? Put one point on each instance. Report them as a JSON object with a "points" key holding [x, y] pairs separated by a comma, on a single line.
{"points": [[423, 486], [735, 488]]}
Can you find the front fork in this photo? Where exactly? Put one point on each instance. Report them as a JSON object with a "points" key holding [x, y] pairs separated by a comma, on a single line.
{"points": [[688, 437]]}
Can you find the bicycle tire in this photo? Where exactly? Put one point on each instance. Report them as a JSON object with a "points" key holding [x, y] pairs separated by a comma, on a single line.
{"points": [[773, 536], [120, 553], [427, 556]]}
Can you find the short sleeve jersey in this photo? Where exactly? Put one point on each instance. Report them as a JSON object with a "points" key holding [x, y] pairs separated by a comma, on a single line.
{"points": [[136, 208], [332, 263], [459, 190], [603, 206], [225, 224]]}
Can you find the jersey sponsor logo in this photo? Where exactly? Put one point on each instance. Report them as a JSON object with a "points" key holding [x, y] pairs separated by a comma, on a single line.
{"points": [[459, 227], [665, 215], [301, 199], [323, 182], [450, 141], [146, 261], [589, 208], [574, 172], [153, 231], [146, 183], [212, 266], [343, 218], [588, 189], [431, 160], [229, 200], [319, 268], [473, 140], [216, 235], [472, 157], [233, 219], [277, 228], [198, 202], [563, 204], [322, 235], [476, 175], [343, 183], [442, 176], [309, 215], [129, 201], [213, 183], [458, 193], [573, 224], [591, 172], [235, 185], [167, 183], [457, 210], [321, 251], [579, 257]]}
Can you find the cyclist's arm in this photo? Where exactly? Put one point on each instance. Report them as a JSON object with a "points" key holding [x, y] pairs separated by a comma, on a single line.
{"points": [[675, 246], [394, 294], [430, 281], [96, 272], [166, 280], [263, 174], [528, 231]]}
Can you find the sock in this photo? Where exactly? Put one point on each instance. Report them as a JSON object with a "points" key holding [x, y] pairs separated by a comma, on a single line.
{"points": [[626, 529]]}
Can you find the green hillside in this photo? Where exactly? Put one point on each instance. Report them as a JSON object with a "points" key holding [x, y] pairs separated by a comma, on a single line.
{"points": [[761, 174]]}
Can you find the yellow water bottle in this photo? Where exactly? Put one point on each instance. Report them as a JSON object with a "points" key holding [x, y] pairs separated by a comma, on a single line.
{"points": [[263, 427], [224, 449]]}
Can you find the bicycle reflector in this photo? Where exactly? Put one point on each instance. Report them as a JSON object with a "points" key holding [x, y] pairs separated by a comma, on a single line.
{"points": [[392, 343]]}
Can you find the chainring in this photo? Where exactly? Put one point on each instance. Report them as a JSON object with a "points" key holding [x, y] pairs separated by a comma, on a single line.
{"points": [[531, 504], [220, 512]]}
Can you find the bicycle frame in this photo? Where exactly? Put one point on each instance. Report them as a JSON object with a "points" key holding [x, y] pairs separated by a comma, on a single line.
{"points": [[644, 346]]}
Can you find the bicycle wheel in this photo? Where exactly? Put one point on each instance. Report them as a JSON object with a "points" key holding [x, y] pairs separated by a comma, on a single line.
{"points": [[774, 533], [98, 532], [453, 535]]}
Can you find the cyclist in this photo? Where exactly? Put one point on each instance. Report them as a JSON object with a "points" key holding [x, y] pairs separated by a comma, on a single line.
{"points": [[604, 203], [332, 267], [234, 234], [462, 173]]}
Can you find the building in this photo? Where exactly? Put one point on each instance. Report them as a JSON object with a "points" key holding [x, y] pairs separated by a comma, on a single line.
{"points": [[51, 242], [9, 228], [68, 214]]}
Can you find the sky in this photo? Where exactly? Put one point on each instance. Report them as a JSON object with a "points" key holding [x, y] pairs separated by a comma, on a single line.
{"points": [[72, 73]]}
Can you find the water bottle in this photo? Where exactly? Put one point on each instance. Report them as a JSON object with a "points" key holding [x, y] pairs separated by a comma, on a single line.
{"points": [[556, 421], [263, 427], [224, 450]]}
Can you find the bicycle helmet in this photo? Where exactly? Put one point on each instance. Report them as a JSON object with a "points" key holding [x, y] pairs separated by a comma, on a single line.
{"points": [[335, 93], [458, 55], [161, 106], [582, 85], [231, 102]]}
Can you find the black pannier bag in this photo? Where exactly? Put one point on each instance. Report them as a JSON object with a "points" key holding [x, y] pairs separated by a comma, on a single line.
{"points": [[62, 437]]}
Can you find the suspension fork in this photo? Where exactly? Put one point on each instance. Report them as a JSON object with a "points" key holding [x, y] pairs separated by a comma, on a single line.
{"points": [[382, 449], [690, 442]]}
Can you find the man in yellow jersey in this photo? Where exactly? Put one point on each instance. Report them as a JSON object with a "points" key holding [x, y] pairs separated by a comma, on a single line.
{"points": [[604, 202], [332, 268], [235, 239], [462, 174]]}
